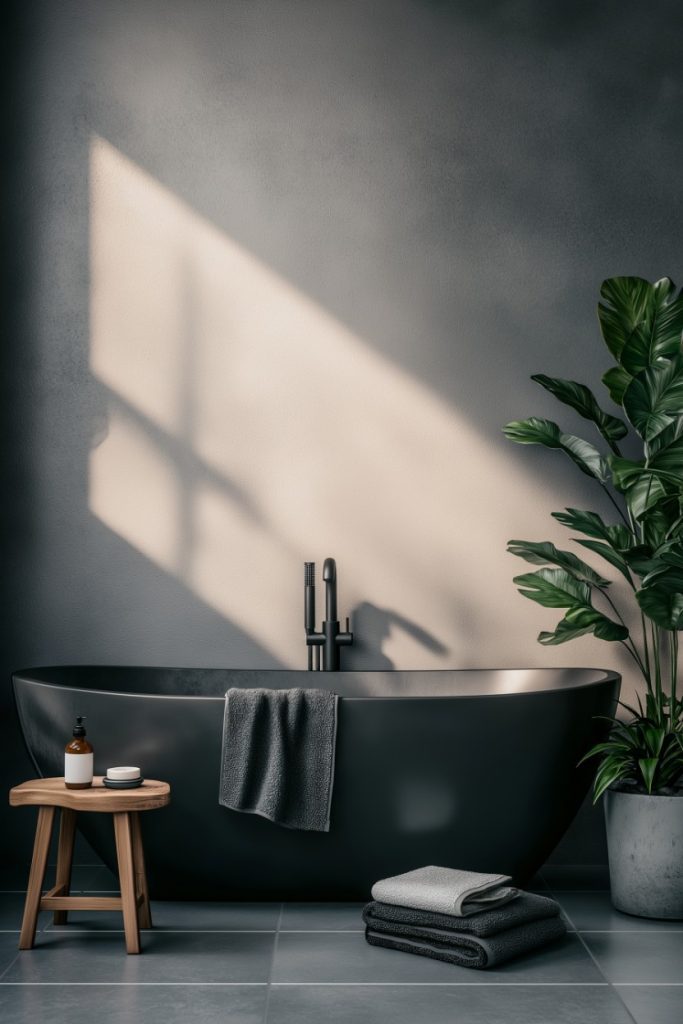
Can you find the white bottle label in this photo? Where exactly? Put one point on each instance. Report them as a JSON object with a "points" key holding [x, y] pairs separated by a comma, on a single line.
{"points": [[78, 767]]}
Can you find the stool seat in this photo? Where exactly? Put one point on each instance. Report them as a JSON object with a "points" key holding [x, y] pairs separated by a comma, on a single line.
{"points": [[125, 806], [53, 793]]}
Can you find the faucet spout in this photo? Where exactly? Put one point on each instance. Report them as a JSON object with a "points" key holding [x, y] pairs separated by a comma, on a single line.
{"points": [[331, 637], [330, 580]]}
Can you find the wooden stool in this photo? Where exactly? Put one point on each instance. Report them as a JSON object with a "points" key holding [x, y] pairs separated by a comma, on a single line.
{"points": [[124, 804]]}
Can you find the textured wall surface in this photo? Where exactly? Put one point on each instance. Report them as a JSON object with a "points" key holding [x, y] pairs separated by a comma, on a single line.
{"points": [[276, 273]]}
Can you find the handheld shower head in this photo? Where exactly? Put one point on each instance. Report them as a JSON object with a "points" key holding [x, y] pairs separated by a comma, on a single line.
{"points": [[309, 596]]}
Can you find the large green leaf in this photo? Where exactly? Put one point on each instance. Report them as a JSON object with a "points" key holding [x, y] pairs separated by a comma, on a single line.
{"points": [[545, 553], [626, 300], [654, 399], [582, 619], [672, 554], [582, 399], [563, 632], [625, 472], [618, 537], [609, 554], [661, 598], [603, 627], [645, 492], [667, 437], [641, 559], [648, 767], [668, 463], [534, 431], [659, 332], [610, 771], [653, 738], [546, 433], [553, 588], [617, 380], [586, 456], [556, 588], [659, 521]]}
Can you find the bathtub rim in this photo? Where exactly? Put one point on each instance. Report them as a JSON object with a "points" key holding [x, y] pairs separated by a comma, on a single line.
{"points": [[603, 676]]}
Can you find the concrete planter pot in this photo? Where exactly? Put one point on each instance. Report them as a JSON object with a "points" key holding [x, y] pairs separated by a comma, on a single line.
{"points": [[645, 845]]}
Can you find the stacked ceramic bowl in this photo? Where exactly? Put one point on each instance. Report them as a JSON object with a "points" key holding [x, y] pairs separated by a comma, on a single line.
{"points": [[125, 777]]}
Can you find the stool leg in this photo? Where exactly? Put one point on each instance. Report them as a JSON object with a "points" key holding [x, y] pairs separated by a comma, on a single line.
{"points": [[140, 873], [124, 856], [36, 878], [65, 853]]}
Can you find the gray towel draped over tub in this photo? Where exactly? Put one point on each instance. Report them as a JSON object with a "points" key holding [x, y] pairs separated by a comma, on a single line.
{"points": [[278, 755]]}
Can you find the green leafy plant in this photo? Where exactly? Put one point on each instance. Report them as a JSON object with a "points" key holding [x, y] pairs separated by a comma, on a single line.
{"points": [[642, 326]]}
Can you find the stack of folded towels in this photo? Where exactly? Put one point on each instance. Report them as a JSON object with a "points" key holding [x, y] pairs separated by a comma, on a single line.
{"points": [[462, 917]]}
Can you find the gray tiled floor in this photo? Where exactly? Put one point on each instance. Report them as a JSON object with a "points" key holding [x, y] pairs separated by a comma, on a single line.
{"points": [[653, 1005], [302, 963]]}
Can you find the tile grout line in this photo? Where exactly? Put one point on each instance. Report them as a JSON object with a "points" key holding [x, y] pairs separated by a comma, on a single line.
{"points": [[319, 984], [597, 965], [134, 984], [623, 1003], [10, 965], [266, 1006]]}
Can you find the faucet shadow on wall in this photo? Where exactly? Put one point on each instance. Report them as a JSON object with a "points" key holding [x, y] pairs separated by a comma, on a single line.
{"points": [[372, 627]]}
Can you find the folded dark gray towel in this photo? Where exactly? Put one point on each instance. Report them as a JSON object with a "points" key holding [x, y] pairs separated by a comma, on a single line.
{"points": [[527, 907], [278, 755], [480, 941]]}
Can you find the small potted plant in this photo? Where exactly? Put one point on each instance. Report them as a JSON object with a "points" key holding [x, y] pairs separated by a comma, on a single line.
{"points": [[640, 768]]}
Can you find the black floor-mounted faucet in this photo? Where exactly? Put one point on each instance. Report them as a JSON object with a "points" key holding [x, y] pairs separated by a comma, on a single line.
{"points": [[332, 637]]}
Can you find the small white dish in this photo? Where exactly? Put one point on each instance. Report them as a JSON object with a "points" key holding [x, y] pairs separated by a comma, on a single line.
{"points": [[123, 774]]}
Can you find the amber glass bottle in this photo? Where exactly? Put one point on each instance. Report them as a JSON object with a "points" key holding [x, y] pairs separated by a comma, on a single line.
{"points": [[78, 759]]}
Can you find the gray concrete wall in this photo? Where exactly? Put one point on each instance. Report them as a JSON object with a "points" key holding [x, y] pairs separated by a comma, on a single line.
{"points": [[276, 273]]}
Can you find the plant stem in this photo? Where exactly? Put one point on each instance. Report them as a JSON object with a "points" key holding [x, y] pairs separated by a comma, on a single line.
{"points": [[628, 644], [626, 522], [658, 669], [632, 651], [673, 527], [646, 648], [673, 641]]}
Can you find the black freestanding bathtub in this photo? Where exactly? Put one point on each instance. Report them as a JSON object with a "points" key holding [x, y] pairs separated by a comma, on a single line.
{"points": [[470, 769]]}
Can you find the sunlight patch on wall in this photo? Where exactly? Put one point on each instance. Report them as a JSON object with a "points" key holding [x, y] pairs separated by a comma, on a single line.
{"points": [[276, 436], [134, 489]]}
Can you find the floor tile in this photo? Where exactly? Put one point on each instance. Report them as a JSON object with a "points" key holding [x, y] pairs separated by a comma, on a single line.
{"points": [[8, 950], [448, 1005], [322, 917], [570, 877], [638, 957], [202, 916], [594, 911], [166, 957], [108, 1004], [655, 1004], [342, 957]]}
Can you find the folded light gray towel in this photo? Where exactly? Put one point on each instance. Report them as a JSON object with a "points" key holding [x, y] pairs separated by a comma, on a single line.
{"points": [[445, 890], [278, 755], [481, 941]]}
